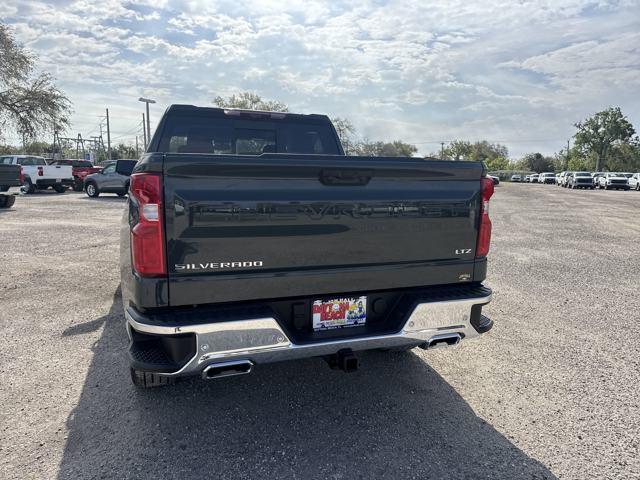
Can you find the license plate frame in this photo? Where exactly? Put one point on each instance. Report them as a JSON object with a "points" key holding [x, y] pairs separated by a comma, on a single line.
{"points": [[339, 312]]}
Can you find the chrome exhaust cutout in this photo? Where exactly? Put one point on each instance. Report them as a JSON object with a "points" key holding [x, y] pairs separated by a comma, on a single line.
{"points": [[447, 340], [227, 369]]}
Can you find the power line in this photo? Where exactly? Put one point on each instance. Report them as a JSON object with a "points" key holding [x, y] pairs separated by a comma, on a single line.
{"points": [[424, 142]]}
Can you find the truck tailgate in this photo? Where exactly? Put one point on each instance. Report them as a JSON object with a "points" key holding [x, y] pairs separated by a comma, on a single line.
{"points": [[9, 175], [251, 227]]}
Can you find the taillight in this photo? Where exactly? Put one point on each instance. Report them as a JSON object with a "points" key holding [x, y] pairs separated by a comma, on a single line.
{"points": [[147, 232], [484, 231], [21, 176], [40, 172]]}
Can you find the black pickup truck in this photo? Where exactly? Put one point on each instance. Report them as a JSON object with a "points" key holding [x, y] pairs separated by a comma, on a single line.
{"points": [[249, 237], [11, 180]]}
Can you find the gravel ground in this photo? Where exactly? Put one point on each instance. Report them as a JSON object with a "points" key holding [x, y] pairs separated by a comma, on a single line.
{"points": [[551, 392]]}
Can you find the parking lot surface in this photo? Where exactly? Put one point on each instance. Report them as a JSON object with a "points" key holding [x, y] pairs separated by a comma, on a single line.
{"points": [[551, 392]]}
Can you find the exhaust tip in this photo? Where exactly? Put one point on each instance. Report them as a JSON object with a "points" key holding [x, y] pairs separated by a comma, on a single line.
{"points": [[447, 340], [227, 369]]}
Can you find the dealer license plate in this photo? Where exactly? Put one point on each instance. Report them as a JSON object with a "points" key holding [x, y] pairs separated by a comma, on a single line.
{"points": [[339, 313], [58, 180]]}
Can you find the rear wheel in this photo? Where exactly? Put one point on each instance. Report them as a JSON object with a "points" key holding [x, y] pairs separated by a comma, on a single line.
{"points": [[8, 202], [149, 380], [27, 186], [77, 185], [59, 188], [92, 190]]}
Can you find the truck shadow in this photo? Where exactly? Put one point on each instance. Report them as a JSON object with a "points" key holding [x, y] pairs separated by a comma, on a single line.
{"points": [[395, 417], [102, 198]]}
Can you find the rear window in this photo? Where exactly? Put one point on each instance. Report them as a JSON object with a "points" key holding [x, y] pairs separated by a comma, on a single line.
{"points": [[30, 161], [125, 167], [6, 160], [583, 174], [238, 136]]}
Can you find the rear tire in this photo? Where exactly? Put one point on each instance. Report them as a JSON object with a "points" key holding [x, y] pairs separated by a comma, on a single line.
{"points": [[27, 186], [149, 380], [9, 201], [92, 190], [59, 188], [77, 185]]}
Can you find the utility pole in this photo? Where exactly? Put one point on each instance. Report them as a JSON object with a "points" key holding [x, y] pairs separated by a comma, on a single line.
{"points": [[442, 150], [144, 133], [108, 138], [53, 148], [137, 151], [567, 165], [147, 101]]}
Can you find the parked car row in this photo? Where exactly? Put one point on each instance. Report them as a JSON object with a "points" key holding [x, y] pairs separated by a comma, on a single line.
{"points": [[37, 174], [575, 180], [604, 180], [590, 180]]}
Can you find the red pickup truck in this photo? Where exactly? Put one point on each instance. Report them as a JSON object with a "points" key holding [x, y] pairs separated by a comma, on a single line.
{"points": [[80, 169]]}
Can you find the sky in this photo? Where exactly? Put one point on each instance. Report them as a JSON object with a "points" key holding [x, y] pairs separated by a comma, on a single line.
{"points": [[520, 73]]}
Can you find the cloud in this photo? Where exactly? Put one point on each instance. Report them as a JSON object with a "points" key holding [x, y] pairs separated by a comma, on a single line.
{"points": [[520, 72]]}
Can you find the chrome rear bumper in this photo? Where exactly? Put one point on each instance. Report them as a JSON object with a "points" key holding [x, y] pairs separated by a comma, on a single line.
{"points": [[262, 340], [13, 191]]}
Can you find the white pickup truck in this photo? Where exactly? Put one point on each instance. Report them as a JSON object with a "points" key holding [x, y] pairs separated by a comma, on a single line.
{"points": [[39, 175]]}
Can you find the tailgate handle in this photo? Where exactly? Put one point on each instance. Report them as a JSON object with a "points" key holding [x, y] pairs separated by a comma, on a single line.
{"points": [[345, 177]]}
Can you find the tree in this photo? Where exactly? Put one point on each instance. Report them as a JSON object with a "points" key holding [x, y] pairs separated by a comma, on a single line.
{"points": [[625, 157], [9, 150], [537, 162], [38, 148], [458, 150], [29, 102], [123, 151], [250, 101], [498, 163], [385, 149], [600, 133], [481, 151], [346, 133]]}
